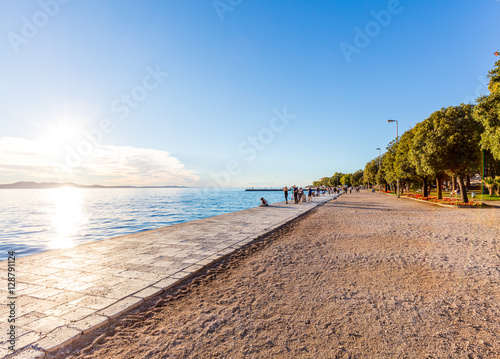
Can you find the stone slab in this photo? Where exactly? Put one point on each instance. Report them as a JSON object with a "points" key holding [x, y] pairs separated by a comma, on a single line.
{"points": [[89, 323], [58, 338]]}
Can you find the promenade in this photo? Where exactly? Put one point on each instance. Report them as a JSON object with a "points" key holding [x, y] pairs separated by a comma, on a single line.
{"points": [[62, 294]]}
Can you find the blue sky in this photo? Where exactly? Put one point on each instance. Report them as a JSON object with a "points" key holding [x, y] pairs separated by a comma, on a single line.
{"points": [[227, 93]]}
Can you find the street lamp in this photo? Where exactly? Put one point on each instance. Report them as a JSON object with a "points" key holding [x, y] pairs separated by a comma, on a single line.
{"points": [[379, 155], [397, 140]]}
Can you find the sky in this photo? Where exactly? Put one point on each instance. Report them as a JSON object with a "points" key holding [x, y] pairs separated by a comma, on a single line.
{"points": [[227, 93]]}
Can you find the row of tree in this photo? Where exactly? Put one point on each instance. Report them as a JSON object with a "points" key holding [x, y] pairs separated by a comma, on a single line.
{"points": [[455, 142], [341, 179]]}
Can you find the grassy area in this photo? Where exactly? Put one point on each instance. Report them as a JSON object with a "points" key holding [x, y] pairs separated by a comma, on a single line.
{"points": [[479, 197], [486, 197]]}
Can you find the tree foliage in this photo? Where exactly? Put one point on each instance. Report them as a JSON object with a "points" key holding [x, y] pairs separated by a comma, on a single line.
{"points": [[357, 178], [447, 143], [388, 163], [487, 112], [346, 180], [370, 172]]}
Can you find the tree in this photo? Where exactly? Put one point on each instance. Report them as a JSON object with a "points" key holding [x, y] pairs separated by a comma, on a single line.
{"points": [[404, 168], [463, 146], [487, 112], [388, 160], [346, 180], [335, 179], [489, 182], [494, 76], [370, 171], [357, 177], [324, 181], [415, 155], [497, 185], [448, 143]]}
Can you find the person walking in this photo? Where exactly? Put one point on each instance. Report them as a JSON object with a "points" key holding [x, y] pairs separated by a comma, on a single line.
{"points": [[295, 194], [301, 192], [285, 191], [309, 194]]}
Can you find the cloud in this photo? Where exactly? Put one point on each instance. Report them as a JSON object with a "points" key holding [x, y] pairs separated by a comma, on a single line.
{"points": [[24, 159]]}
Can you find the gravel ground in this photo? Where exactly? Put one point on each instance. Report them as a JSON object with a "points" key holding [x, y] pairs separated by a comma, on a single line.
{"points": [[364, 276]]}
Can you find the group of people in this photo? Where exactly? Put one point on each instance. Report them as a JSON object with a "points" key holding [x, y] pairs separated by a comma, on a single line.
{"points": [[298, 194]]}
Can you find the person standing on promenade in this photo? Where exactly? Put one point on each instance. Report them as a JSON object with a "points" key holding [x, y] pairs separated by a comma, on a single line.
{"points": [[295, 194], [285, 190], [301, 192], [309, 194]]}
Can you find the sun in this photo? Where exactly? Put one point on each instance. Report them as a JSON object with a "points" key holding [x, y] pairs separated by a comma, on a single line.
{"points": [[60, 136], [64, 132]]}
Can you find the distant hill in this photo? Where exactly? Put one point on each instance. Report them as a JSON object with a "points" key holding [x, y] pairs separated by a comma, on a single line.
{"points": [[48, 185]]}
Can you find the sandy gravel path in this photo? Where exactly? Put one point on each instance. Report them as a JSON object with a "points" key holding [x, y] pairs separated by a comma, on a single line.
{"points": [[365, 276]]}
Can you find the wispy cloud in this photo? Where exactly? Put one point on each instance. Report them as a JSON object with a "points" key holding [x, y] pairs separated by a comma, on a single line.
{"points": [[22, 159]]}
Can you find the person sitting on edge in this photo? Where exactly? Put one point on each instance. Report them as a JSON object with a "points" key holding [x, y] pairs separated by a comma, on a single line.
{"points": [[263, 202]]}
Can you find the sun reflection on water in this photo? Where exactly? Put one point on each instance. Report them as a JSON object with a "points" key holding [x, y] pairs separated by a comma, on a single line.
{"points": [[66, 216]]}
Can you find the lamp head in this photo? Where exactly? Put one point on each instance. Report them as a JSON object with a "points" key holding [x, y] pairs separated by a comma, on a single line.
{"points": [[391, 120], [378, 149]]}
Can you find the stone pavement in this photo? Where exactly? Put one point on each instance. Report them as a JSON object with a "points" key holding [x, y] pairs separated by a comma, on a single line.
{"points": [[62, 294]]}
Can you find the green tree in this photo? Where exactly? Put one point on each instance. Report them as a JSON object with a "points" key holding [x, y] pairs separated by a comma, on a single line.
{"points": [[370, 172], [388, 163], [380, 176], [424, 152], [494, 76], [357, 178], [497, 185], [487, 112], [324, 181], [346, 180], [489, 182], [447, 143], [335, 179], [404, 167]]}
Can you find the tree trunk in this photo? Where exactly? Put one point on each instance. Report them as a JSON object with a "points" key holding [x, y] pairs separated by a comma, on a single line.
{"points": [[453, 182], [439, 189], [463, 189], [467, 183], [425, 193]]}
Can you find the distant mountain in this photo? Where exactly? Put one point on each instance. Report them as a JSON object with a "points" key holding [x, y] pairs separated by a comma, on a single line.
{"points": [[48, 185]]}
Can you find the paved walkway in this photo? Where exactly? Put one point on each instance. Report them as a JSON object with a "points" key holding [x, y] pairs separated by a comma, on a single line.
{"points": [[62, 294]]}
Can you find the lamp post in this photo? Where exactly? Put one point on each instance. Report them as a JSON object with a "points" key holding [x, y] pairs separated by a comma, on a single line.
{"points": [[397, 140], [379, 155]]}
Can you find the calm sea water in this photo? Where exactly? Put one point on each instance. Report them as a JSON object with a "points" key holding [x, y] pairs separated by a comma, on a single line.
{"points": [[34, 220]]}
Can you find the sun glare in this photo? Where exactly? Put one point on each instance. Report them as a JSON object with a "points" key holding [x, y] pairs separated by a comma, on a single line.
{"points": [[59, 136], [66, 216]]}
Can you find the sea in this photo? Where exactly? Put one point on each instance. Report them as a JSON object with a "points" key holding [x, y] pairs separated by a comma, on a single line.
{"points": [[38, 220]]}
